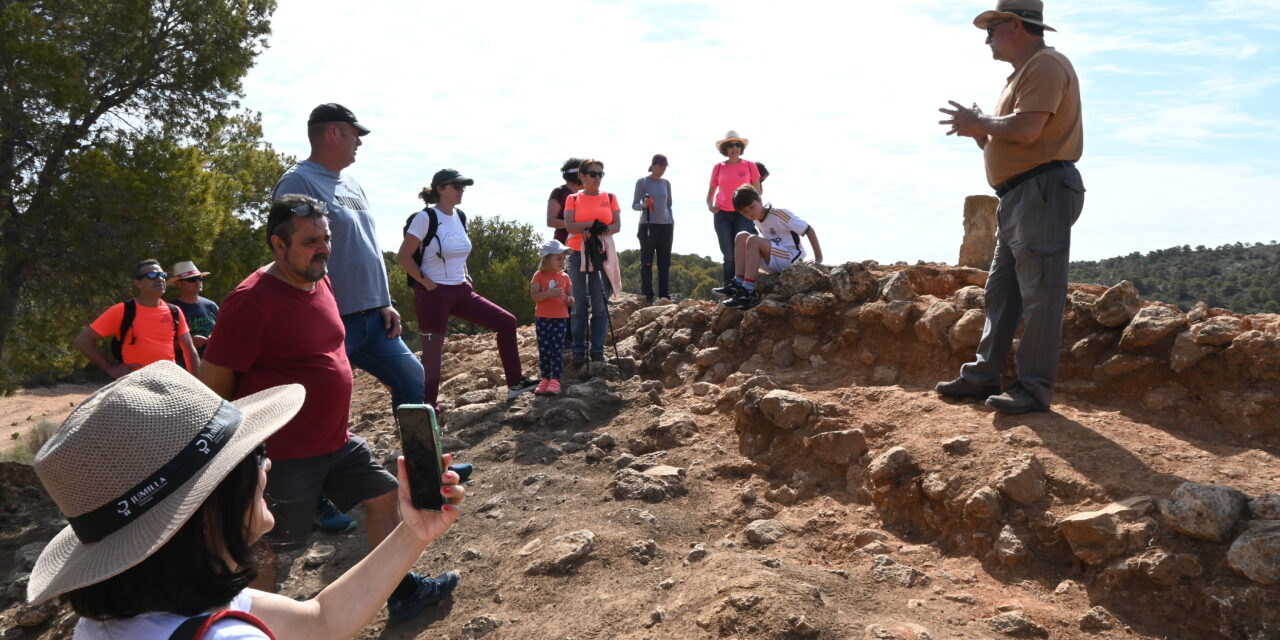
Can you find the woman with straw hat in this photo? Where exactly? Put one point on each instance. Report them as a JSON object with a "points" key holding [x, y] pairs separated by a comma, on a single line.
{"points": [[725, 178], [161, 481]]}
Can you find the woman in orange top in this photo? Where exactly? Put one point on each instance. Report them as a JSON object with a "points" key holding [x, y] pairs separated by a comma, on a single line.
{"points": [[582, 210]]}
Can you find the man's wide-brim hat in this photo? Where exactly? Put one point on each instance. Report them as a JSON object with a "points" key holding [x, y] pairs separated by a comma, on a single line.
{"points": [[731, 136], [183, 270], [135, 461], [1030, 11]]}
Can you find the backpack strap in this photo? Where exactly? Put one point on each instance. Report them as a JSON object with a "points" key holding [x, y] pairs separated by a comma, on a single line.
{"points": [[196, 627], [126, 322]]}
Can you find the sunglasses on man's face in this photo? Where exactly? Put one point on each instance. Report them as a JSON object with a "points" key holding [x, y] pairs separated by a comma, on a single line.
{"points": [[194, 279], [991, 28], [593, 174], [153, 275], [306, 209]]}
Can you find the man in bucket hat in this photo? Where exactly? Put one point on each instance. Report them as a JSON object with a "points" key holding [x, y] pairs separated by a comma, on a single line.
{"points": [[281, 325], [1030, 146]]}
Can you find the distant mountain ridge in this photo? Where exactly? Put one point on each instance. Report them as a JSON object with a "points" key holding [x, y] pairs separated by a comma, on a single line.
{"points": [[1242, 277]]}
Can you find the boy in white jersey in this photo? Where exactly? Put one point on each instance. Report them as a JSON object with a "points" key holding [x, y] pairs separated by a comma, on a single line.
{"points": [[777, 247]]}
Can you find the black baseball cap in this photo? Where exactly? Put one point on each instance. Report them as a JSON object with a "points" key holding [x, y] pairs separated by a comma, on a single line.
{"points": [[450, 176], [334, 112]]}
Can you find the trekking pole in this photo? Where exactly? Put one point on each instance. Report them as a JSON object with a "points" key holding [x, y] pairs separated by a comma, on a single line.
{"points": [[608, 314]]}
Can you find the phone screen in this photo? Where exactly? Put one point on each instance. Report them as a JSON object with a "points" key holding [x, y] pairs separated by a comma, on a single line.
{"points": [[420, 438]]}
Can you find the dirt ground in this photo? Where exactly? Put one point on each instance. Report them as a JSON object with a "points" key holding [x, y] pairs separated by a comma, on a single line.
{"points": [[647, 502], [26, 408]]}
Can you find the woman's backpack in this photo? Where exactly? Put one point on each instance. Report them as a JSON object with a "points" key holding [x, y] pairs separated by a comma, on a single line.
{"points": [[196, 628], [433, 224]]}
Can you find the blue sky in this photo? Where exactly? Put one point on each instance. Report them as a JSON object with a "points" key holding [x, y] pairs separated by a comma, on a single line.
{"points": [[839, 100]]}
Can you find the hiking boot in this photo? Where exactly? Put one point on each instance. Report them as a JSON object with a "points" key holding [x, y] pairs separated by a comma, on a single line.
{"points": [[743, 301], [578, 359], [1015, 400], [520, 387], [429, 591], [597, 357], [463, 469], [331, 521], [961, 388], [542, 387], [553, 388]]}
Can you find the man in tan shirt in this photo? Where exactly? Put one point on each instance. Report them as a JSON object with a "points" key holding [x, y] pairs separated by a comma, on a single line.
{"points": [[1030, 147]]}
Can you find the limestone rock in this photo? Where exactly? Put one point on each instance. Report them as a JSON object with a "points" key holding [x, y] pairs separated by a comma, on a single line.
{"points": [[885, 569], [319, 554], [958, 445], [1256, 552], [1023, 481], [967, 331], [983, 505], [1117, 305], [936, 323], [1009, 548], [802, 277], [884, 467], [1015, 623], [1151, 325], [710, 356], [811, 304], [653, 485], [897, 315], [562, 554], [897, 287], [1187, 353], [970, 298], [643, 551], [1097, 619], [840, 447], [786, 409], [1207, 512], [865, 537], [1265, 507], [481, 626], [765, 532], [979, 245], [1123, 363], [1082, 305], [1168, 569], [1118, 528], [803, 346], [1164, 396], [851, 282], [1217, 331]]}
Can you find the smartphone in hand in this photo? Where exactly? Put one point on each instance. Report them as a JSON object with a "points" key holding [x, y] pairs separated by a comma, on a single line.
{"points": [[423, 459]]}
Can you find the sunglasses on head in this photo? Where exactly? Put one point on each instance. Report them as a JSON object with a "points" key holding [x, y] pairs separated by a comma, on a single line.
{"points": [[305, 209], [193, 279], [593, 174], [153, 275]]}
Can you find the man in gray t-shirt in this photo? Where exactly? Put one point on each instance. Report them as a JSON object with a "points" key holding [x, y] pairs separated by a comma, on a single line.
{"points": [[356, 269]]}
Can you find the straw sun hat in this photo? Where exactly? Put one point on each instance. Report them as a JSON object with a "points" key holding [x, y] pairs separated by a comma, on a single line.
{"points": [[135, 461], [731, 136]]}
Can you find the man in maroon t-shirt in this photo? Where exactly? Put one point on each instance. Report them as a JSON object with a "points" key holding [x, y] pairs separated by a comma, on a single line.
{"points": [[281, 325]]}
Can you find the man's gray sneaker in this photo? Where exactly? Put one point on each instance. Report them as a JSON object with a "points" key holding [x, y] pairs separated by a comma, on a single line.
{"points": [[1015, 400]]}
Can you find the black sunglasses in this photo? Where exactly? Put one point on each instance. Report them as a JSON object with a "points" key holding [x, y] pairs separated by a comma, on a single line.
{"points": [[153, 275], [991, 28], [260, 455], [305, 209], [730, 145], [593, 174], [193, 279], [458, 185]]}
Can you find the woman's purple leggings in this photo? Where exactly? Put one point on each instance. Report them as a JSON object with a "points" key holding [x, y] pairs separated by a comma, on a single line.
{"points": [[460, 301]]}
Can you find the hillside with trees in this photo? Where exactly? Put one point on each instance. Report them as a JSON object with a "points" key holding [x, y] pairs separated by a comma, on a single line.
{"points": [[1241, 277]]}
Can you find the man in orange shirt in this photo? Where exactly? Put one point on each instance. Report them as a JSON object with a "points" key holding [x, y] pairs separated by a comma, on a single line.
{"points": [[153, 333], [1030, 147]]}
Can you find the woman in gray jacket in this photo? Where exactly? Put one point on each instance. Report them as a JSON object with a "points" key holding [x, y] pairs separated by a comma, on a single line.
{"points": [[653, 200]]}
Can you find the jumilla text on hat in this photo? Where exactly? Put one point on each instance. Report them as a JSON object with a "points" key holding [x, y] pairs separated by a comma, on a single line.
{"points": [[142, 497]]}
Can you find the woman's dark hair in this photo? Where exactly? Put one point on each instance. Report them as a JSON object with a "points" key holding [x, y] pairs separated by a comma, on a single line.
{"points": [[587, 162], [188, 575], [743, 196], [571, 177], [430, 195], [724, 147]]}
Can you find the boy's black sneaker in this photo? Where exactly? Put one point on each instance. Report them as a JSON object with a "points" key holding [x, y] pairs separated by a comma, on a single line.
{"points": [[520, 387], [743, 301], [731, 290]]}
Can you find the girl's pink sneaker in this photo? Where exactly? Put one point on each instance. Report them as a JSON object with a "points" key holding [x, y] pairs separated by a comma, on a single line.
{"points": [[542, 387], [553, 387]]}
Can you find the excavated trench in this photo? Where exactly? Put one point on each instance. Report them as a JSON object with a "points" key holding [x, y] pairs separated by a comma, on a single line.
{"points": [[803, 373]]}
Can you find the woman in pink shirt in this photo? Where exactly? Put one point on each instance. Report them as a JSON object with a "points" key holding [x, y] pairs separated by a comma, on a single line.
{"points": [[725, 178]]}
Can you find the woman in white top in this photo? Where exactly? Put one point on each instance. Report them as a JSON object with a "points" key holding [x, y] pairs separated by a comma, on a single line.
{"points": [[442, 287], [161, 481]]}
